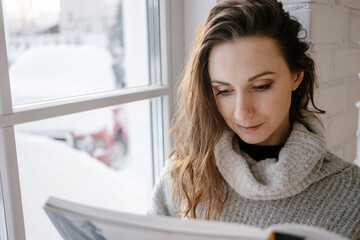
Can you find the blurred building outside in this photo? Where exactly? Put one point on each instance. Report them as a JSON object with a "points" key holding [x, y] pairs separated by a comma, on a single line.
{"points": [[70, 23]]}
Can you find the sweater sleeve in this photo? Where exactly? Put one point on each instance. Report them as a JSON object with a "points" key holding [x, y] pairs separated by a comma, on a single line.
{"points": [[161, 202]]}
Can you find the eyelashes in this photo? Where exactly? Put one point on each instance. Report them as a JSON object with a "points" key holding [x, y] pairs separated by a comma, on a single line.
{"points": [[263, 87], [260, 88], [224, 92]]}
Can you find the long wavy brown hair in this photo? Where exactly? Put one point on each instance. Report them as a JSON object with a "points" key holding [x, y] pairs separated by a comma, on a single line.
{"points": [[197, 185]]}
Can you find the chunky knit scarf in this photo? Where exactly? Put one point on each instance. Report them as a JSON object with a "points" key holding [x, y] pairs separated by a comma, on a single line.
{"points": [[300, 164]]}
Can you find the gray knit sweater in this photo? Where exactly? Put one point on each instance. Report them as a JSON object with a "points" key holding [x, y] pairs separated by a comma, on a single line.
{"points": [[305, 185]]}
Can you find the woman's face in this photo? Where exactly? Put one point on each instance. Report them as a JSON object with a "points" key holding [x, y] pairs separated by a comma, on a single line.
{"points": [[252, 85]]}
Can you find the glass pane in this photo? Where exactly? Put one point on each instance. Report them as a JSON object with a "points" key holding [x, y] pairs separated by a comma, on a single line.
{"points": [[101, 158], [60, 48]]}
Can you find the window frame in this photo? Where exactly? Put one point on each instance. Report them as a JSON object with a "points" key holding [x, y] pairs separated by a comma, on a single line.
{"points": [[159, 92]]}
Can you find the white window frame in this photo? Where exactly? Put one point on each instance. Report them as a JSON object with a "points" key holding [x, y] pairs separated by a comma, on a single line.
{"points": [[160, 92]]}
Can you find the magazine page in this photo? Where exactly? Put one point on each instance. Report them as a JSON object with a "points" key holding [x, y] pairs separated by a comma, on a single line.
{"points": [[81, 222], [76, 221], [305, 231]]}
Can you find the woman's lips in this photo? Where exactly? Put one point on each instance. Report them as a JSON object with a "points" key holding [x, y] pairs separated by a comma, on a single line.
{"points": [[249, 129]]}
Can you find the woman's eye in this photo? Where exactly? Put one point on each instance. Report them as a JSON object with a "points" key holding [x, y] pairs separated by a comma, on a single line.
{"points": [[223, 92], [262, 87]]}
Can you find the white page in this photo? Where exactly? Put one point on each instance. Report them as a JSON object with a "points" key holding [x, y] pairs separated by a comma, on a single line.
{"points": [[101, 224]]}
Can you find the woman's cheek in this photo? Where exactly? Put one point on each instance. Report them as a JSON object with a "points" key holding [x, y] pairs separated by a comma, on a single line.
{"points": [[225, 108], [279, 99], [219, 105]]}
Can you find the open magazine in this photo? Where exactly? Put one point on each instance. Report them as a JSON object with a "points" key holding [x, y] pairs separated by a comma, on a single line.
{"points": [[79, 222]]}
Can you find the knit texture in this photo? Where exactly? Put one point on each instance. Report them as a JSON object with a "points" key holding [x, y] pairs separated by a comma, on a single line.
{"points": [[305, 185], [300, 164]]}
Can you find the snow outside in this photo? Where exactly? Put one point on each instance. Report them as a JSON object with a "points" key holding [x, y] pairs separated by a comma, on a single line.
{"points": [[101, 157]]}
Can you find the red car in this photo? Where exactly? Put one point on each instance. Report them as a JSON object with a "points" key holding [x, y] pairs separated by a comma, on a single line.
{"points": [[110, 147]]}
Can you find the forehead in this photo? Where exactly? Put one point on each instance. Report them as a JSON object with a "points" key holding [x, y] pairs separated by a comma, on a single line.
{"points": [[246, 56]]}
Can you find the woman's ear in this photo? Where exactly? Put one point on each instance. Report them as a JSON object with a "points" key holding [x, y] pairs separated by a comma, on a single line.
{"points": [[297, 78]]}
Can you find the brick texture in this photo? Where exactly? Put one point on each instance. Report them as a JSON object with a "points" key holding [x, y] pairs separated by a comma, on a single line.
{"points": [[323, 65], [354, 92], [353, 4], [355, 26], [346, 62], [328, 24], [333, 105], [341, 127], [333, 28]]}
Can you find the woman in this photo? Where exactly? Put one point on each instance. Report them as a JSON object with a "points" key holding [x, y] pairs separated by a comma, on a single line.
{"points": [[248, 148]]}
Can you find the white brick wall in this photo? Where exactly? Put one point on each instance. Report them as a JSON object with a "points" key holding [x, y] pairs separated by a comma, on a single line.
{"points": [[355, 26], [334, 30], [346, 62], [352, 3], [326, 99], [328, 24]]}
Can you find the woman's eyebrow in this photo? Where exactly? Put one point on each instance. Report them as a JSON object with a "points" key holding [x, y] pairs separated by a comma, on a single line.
{"points": [[249, 80], [220, 82], [259, 75]]}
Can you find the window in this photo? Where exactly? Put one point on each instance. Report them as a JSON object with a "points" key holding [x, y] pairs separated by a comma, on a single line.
{"points": [[83, 106]]}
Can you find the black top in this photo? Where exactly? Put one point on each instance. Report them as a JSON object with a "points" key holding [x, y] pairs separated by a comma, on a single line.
{"points": [[259, 153]]}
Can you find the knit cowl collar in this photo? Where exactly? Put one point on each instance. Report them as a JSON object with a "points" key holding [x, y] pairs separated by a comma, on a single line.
{"points": [[300, 163]]}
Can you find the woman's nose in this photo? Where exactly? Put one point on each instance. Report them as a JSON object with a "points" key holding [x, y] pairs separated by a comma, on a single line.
{"points": [[244, 110]]}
